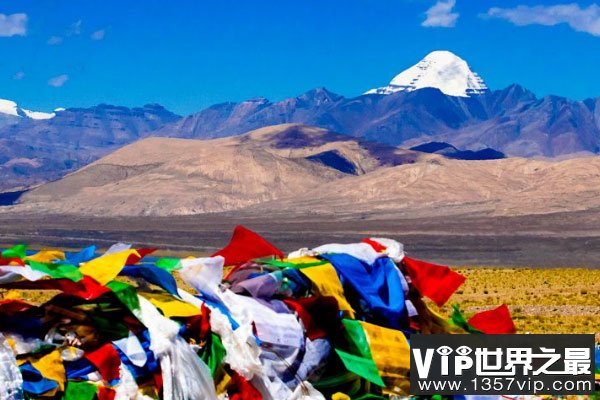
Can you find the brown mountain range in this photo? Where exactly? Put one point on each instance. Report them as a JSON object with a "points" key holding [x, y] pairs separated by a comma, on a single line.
{"points": [[295, 169]]}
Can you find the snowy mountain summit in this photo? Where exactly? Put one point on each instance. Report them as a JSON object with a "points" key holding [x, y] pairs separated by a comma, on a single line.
{"points": [[443, 70], [11, 109]]}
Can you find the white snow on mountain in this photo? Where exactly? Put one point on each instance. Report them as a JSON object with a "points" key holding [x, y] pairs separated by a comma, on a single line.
{"points": [[9, 107], [38, 114], [443, 70]]}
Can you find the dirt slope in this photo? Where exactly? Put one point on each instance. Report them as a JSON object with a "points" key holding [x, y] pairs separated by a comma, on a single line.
{"points": [[294, 169]]}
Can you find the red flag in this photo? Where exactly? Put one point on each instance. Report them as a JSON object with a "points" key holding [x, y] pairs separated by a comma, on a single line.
{"points": [[8, 261], [12, 307], [318, 314], [246, 245], [197, 327], [434, 281], [106, 360], [105, 393], [134, 258], [240, 389], [493, 321], [378, 247], [158, 380]]}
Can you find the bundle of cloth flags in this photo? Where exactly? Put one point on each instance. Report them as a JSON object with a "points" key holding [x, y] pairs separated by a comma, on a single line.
{"points": [[332, 322]]}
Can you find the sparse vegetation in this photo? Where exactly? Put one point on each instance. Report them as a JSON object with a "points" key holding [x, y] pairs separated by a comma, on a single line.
{"points": [[565, 300]]}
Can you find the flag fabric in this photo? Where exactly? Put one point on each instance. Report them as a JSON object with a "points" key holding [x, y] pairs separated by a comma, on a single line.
{"points": [[327, 283], [459, 320], [390, 247], [106, 360], [141, 253], [362, 251], [35, 383], [168, 264], [241, 389], [51, 367], [246, 245], [214, 353], [11, 273], [380, 355], [12, 307], [171, 306], [11, 261], [106, 393], [431, 280], [87, 288], [378, 285], [81, 256], [132, 348], [494, 321], [378, 247], [46, 256], [17, 251], [334, 319], [80, 391], [126, 293], [156, 276], [57, 270], [105, 268]]}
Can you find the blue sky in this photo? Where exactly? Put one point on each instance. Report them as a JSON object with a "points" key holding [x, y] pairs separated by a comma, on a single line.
{"points": [[187, 55]]}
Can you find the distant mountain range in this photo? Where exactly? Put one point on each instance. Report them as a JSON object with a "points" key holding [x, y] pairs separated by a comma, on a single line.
{"points": [[164, 176], [294, 170], [33, 151], [440, 99], [511, 120]]}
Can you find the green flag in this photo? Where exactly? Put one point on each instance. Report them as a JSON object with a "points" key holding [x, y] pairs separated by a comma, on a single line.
{"points": [[287, 264], [214, 354], [57, 270], [80, 391], [458, 319], [169, 264], [359, 358], [17, 251], [126, 293]]}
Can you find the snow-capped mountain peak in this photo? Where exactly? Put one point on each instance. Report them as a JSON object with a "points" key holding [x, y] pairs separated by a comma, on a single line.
{"points": [[10, 108], [443, 70]]}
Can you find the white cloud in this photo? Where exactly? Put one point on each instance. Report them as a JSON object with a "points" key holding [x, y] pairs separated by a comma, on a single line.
{"points": [[59, 80], [74, 29], [53, 40], [98, 35], [19, 75], [441, 15], [13, 25], [578, 18]]}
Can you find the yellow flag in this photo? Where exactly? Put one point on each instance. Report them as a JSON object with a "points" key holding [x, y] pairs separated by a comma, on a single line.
{"points": [[391, 354], [221, 384], [105, 268], [327, 283], [46, 256], [51, 367], [170, 306], [13, 294], [340, 396], [302, 260]]}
